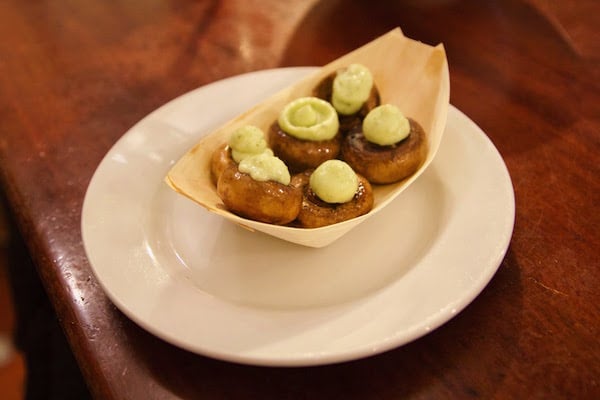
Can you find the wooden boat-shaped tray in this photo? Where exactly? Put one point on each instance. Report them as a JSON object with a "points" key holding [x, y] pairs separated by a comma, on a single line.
{"points": [[409, 74]]}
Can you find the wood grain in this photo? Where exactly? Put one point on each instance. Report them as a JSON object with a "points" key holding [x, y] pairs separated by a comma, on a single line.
{"points": [[76, 75]]}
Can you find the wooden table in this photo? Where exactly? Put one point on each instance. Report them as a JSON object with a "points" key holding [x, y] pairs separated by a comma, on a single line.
{"points": [[75, 75]]}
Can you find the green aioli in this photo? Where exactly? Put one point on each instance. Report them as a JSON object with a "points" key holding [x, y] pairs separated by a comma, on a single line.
{"points": [[265, 167], [247, 141], [334, 181], [309, 118], [385, 125], [351, 88]]}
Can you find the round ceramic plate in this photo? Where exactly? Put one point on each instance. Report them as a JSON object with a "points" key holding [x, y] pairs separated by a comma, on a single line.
{"points": [[209, 286]]}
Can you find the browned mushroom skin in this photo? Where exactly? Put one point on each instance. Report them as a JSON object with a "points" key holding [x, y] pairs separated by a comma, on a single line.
{"points": [[385, 164], [316, 212], [324, 91], [220, 160], [300, 155], [269, 201]]}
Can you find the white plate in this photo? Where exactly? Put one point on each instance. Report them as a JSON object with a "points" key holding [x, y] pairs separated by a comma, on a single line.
{"points": [[211, 287]]}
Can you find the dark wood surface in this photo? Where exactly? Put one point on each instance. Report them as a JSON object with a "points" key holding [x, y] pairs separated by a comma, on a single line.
{"points": [[75, 75]]}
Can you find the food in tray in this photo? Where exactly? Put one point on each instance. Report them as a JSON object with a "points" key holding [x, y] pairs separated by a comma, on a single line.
{"points": [[383, 146], [332, 193], [259, 188], [244, 142], [407, 73], [253, 183], [388, 147], [352, 92], [306, 133]]}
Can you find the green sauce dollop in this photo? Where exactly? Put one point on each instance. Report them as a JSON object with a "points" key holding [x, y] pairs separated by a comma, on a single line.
{"points": [[265, 167], [351, 88], [334, 181], [247, 141], [385, 125], [309, 118]]}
